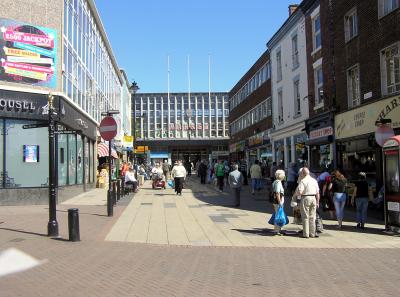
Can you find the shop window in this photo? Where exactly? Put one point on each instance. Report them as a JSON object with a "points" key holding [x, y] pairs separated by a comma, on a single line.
{"points": [[62, 160], [92, 159], [27, 152], [71, 159], [79, 159]]}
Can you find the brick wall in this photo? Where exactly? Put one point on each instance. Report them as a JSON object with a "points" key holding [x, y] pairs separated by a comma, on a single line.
{"points": [[373, 35]]}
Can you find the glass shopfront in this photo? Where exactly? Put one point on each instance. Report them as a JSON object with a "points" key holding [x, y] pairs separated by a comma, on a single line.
{"points": [[279, 152], [25, 160], [321, 157]]}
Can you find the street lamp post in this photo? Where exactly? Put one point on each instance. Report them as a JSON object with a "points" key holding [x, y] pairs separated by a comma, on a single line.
{"points": [[52, 226], [133, 89]]}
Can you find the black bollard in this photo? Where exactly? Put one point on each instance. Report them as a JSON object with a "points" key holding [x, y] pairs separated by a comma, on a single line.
{"points": [[114, 192], [118, 189], [73, 224]]}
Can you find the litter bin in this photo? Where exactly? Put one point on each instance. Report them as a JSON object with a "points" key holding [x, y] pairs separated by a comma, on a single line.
{"points": [[73, 224]]}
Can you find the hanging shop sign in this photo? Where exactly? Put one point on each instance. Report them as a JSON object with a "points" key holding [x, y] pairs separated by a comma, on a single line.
{"points": [[362, 120], [237, 147], [319, 133], [28, 54]]}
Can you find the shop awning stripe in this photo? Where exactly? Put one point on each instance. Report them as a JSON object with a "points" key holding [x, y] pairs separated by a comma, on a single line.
{"points": [[102, 151]]}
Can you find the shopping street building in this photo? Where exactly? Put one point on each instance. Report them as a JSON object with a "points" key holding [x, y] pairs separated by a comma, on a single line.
{"points": [[58, 47], [181, 126]]}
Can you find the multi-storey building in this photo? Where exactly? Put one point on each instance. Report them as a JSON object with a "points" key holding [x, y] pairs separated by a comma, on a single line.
{"points": [[289, 90], [321, 84], [250, 114], [59, 47], [182, 126], [367, 72]]}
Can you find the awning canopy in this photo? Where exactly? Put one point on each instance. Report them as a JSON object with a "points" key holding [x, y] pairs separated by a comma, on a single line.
{"points": [[102, 151]]}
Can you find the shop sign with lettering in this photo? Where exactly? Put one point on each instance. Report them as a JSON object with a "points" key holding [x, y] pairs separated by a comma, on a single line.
{"points": [[323, 132], [362, 120], [23, 105]]}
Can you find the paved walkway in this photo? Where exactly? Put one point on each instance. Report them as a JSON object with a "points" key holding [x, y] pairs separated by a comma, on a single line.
{"points": [[95, 267], [204, 217]]}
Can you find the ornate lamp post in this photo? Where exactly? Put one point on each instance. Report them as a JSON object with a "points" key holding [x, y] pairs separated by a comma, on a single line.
{"points": [[52, 226], [133, 89]]}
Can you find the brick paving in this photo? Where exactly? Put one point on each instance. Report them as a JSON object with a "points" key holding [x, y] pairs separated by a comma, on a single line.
{"points": [[95, 267]]}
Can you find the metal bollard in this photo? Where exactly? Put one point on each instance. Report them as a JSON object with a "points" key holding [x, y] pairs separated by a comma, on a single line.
{"points": [[114, 192], [118, 189], [73, 224]]}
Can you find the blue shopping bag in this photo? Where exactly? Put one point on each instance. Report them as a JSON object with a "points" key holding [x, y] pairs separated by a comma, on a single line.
{"points": [[279, 218], [171, 183]]}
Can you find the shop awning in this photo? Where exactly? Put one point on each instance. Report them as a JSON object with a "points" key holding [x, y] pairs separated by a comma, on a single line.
{"points": [[102, 151], [159, 156]]}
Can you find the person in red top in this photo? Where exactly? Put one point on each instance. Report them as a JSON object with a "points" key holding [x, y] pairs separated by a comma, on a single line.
{"points": [[125, 168]]}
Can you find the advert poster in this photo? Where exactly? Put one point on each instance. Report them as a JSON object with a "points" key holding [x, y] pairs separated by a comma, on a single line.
{"points": [[28, 54]]}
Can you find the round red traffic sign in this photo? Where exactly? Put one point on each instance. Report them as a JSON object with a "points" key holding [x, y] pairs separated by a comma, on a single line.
{"points": [[108, 128]]}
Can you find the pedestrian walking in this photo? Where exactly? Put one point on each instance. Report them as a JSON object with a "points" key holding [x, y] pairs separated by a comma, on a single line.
{"points": [[278, 193], [220, 174], [256, 175], [292, 179], [202, 170], [165, 169], [243, 170], [360, 196], [338, 186], [327, 198], [235, 181], [178, 173], [309, 191]]}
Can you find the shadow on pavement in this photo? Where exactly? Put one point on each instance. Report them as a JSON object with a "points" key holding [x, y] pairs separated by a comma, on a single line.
{"points": [[367, 230], [24, 232], [85, 213]]}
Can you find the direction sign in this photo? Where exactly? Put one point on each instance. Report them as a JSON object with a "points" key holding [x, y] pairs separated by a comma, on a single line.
{"points": [[33, 126], [108, 128]]}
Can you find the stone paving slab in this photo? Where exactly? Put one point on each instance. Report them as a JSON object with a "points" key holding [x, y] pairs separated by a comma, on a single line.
{"points": [[204, 216]]}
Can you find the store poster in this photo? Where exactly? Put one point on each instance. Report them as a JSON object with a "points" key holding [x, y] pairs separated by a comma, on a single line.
{"points": [[31, 153], [28, 54]]}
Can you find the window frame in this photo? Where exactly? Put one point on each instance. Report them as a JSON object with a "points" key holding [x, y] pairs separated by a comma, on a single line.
{"points": [[384, 77], [351, 14], [381, 8], [350, 100], [315, 33]]}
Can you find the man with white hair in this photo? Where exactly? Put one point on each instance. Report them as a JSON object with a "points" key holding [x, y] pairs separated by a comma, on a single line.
{"points": [[308, 190], [235, 180]]}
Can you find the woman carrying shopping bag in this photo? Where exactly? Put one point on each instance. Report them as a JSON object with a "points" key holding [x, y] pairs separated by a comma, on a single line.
{"points": [[279, 200]]}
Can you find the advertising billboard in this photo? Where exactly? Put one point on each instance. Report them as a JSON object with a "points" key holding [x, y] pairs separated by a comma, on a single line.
{"points": [[28, 54]]}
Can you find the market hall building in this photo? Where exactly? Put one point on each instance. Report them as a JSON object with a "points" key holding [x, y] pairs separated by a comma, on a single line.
{"points": [[53, 47], [181, 126]]}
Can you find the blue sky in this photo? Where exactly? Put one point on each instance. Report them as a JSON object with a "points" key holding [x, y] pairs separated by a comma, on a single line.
{"points": [[233, 33]]}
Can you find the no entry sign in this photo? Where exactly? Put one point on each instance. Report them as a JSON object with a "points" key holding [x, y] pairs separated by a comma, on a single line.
{"points": [[108, 128]]}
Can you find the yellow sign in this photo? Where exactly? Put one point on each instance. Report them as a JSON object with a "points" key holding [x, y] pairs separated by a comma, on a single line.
{"points": [[360, 121], [142, 149], [20, 53], [128, 138]]}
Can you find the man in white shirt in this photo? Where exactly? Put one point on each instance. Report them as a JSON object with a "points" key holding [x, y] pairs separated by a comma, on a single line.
{"points": [[130, 179], [309, 191]]}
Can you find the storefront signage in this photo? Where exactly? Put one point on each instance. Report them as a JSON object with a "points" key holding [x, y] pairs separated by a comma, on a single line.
{"points": [[323, 132], [257, 139], [28, 54], [185, 126], [237, 147], [362, 120], [216, 154], [18, 105]]}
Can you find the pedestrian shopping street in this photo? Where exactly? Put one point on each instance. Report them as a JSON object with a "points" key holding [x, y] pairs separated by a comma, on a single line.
{"points": [[161, 244]]}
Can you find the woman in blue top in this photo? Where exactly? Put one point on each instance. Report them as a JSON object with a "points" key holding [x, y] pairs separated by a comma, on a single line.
{"points": [[279, 198]]}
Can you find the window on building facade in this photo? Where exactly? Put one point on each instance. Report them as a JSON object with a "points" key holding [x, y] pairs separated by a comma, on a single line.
{"points": [[280, 106], [278, 65], [390, 69], [295, 52], [319, 84], [296, 93], [353, 86], [316, 25], [387, 6], [351, 24]]}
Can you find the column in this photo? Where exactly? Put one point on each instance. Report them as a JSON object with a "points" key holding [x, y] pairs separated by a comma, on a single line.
{"points": [[293, 158], [162, 116], [202, 114], [223, 116], [195, 117], [176, 115], [285, 153]]}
